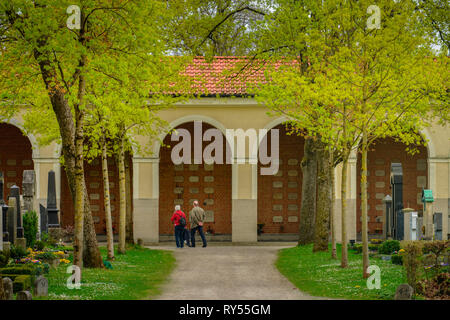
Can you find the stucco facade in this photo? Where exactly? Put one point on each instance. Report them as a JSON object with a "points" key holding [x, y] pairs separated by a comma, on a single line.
{"points": [[235, 113]]}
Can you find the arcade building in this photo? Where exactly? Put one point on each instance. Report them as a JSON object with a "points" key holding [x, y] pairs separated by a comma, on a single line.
{"points": [[241, 205]]}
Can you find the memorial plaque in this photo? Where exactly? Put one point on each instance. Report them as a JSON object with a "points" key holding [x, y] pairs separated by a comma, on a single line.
{"points": [[209, 216], [277, 219]]}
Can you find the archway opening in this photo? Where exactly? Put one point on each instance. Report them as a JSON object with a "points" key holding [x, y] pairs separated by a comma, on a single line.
{"points": [[16, 155], [279, 195], [381, 155], [210, 184]]}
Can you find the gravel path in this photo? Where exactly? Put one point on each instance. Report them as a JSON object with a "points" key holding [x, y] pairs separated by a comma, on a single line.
{"points": [[228, 273]]}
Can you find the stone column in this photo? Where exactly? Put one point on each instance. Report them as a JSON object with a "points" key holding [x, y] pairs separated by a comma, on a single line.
{"points": [[54, 228], [12, 220], [146, 199], [439, 183], [3, 212], [244, 202], [351, 197], [428, 220], [1, 227], [28, 190], [15, 193], [42, 166]]}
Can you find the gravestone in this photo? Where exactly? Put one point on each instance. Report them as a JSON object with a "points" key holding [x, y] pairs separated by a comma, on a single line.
{"points": [[8, 288], [11, 219], [1, 228], [40, 287], [52, 210], [43, 219], [24, 295], [15, 192], [28, 189], [404, 292], [3, 210]]}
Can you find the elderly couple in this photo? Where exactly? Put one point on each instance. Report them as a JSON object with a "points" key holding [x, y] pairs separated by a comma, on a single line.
{"points": [[196, 218]]}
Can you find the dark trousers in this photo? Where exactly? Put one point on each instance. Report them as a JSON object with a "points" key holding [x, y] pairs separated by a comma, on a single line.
{"points": [[202, 235], [179, 236], [187, 236]]}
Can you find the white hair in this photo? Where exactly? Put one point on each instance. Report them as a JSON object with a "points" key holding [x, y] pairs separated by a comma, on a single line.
{"points": [[177, 207], [195, 203]]}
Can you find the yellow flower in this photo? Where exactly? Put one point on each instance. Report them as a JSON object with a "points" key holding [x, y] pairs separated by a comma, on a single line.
{"points": [[357, 286]]}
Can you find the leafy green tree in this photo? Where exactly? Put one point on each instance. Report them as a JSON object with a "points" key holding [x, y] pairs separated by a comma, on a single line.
{"points": [[44, 61], [350, 84]]}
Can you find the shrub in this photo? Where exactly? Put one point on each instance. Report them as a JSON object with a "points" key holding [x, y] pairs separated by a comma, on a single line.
{"points": [[397, 259], [21, 283], [389, 246], [358, 247], [30, 227], [46, 256], [28, 269], [374, 247], [435, 288], [40, 245], [18, 252], [412, 261], [4, 258]]}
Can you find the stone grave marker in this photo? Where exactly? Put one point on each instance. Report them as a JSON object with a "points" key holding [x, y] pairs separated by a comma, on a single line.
{"points": [[24, 295], [11, 220], [28, 189], [40, 287], [15, 193], [404, 292], [8, 288]]}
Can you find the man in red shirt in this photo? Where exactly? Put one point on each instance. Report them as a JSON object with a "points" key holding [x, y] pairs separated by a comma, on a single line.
{"points": [[179, 220]]}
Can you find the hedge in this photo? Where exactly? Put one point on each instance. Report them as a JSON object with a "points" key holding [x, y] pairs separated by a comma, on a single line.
{"points": [[21, 283]]}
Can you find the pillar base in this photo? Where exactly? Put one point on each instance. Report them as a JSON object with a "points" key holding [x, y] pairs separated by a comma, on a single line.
{"points": [[6, 246], [21, 242]]}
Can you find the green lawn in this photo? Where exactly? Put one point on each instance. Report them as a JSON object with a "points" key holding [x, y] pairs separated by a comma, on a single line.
{"points": [[136, 275], [319, 275]]}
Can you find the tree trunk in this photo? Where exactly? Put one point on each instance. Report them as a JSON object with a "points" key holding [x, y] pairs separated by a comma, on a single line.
{"points": [[107, 201], [122, 192], [308, 206], [344, 257], [322, 231], [79, 190], [364, 230], [332, 209], [129, 228], [63, 113]]}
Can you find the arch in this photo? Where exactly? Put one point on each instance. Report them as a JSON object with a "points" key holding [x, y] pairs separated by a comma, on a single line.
{"points": [[15, 156], [190, 118], [279, 195], [416, 175], [210, 184], [425, 133], [275, 122], [31, 137]]}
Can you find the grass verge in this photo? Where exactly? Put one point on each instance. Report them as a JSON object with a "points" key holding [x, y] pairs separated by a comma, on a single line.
{"points": [[136, 275], [319, 275]]}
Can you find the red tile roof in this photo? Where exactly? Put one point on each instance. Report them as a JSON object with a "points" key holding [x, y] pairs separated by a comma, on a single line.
{"points": [[225, 76]]}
